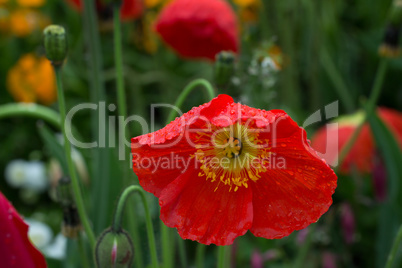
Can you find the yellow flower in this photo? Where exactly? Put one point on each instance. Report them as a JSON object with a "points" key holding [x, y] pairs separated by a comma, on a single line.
{"points": [[22, 22], [29, 3], [32, 79]]}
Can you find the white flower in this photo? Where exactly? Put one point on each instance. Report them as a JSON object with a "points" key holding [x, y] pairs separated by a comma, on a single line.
{"points": [[57, 250], [29, 175], [36, 178], [39, 233], [15, 173]]}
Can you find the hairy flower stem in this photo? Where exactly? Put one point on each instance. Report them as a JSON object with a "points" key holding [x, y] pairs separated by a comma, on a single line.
{"points": [[187, 90], [67, 148], [369, 109], [122, 110], [150, 230], [394, 249], [97, 94]]}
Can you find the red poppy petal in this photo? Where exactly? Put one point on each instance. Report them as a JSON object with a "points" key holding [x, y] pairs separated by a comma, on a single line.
{"points": [[202, 211], [174, 130], [15, 247], [156, 168], [393, 119], [297, 187], [194, 30], [360, 155], [161, 156]]}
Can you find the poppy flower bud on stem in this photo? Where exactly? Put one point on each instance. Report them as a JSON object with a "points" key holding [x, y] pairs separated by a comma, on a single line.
{"points": [[55, 41], [114, 249], [114, 246], [224, 68]]}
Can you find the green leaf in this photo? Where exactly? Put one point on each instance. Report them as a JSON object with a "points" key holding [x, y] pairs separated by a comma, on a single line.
{"points": [[55, 148], [390, 212]]}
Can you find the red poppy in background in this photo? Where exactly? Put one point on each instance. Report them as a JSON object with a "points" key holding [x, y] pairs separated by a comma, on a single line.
{"points": [[130, 9], [15, 247], [198, 29], [362, 154], [224, 168]]}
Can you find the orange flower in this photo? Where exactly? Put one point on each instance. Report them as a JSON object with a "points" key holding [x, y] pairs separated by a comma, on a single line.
{"points": [[22, 22], [32, 80]]}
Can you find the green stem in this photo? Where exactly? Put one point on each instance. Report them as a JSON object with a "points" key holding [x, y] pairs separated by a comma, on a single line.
{"points": [[150, 230], [394, 249], [301, 255], [182, 252], [167, 245], [369, 109], [31, 110], [340, 86], [187, 90], [222, 257], [83, 252], [67, 148], [122, 110], [118, 59], [200, 256], [97, 94]]}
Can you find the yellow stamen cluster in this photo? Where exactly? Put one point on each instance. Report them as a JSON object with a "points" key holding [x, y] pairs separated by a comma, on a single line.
{"points": [[232, 156]]}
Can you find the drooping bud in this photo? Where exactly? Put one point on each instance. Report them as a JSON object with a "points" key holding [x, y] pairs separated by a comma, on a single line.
{"points": [[224, 68], [114, 249], [55, 41]]}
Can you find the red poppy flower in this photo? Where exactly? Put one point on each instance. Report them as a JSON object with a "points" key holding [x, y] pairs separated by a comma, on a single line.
{"points": [[198, 29], [15, 247], [362, 154], [224, 168], [130, 9]]}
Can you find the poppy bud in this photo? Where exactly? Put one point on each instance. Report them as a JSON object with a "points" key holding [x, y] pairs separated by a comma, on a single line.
{"points": [[224, 68], [114, 249], [55, 41]]}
